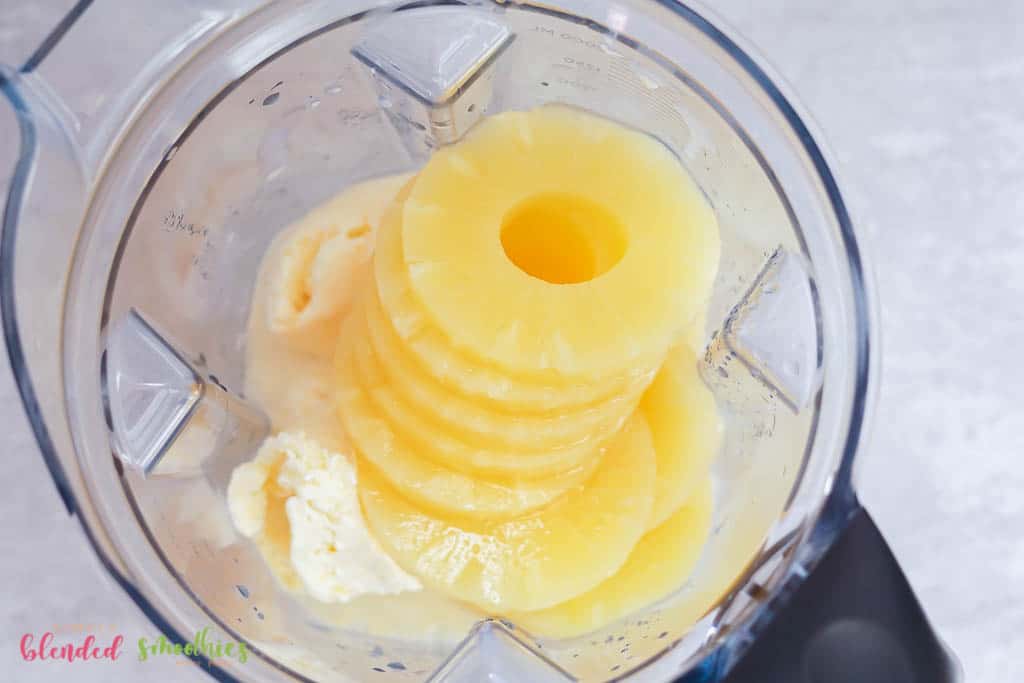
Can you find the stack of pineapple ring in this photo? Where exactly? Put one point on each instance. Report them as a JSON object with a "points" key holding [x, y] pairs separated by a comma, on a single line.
{"points": [[531, 433]]}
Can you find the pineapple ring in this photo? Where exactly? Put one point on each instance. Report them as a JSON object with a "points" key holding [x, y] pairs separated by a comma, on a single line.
{"points": [[474, 378], [686, 428], [659, 564], [436, 442], [431, 485], [532, 562], [480, 424], [583, 248]]}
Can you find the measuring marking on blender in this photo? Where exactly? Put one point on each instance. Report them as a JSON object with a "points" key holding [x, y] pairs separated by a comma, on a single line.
{"points": [[579, 40], [586, 66], [175, 221]]}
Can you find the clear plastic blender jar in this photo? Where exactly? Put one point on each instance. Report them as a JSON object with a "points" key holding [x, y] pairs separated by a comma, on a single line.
{"points": [[144, 199]]}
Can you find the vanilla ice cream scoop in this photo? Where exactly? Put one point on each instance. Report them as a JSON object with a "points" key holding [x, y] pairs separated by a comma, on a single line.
{"points": [[312, 274], [325, 543], [303, 290]]}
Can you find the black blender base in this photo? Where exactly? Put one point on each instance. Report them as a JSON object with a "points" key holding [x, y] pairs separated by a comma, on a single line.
{"points": [[854, 620]]}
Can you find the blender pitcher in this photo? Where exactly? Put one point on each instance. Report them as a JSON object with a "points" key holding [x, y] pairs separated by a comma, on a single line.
{"points": [[163, 145]]}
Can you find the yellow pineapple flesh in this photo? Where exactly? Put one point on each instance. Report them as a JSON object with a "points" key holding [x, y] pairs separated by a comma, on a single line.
{"points": [[489, 461], [686, 429], [659, 564], [475, 377], [478, 423], [517, 379], [583, 249], [534, 561], [427, 483], [438, 443]]}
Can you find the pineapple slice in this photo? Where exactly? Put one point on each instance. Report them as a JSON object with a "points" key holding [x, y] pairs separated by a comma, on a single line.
{"points": [[583, 249], [581, 428], [439, 444], [533, 562], [475, 377], [427, 483], [659, 565], [686, 428]]}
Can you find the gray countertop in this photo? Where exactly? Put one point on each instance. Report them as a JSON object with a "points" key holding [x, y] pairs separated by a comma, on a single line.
{"points": [[922, 102]]}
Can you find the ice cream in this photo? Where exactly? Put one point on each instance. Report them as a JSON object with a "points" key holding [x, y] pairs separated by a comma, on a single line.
{"points": [[297, 498], [290, 346], [299, 501]]}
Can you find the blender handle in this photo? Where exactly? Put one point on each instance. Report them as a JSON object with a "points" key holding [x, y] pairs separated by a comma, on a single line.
{"points": [[853, 619]]}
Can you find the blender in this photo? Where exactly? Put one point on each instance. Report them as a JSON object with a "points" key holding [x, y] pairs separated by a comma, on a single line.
{"points": [[143, 201]]}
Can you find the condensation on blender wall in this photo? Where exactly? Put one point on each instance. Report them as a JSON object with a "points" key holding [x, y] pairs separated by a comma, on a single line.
{"points": [[432, 71], [165, 415]]}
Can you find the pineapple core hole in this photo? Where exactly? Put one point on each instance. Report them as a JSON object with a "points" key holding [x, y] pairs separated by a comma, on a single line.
{"points": [[562, 238]]}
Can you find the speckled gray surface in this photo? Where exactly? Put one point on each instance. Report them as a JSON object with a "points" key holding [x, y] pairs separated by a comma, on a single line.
{"points": [[923, 106]]}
